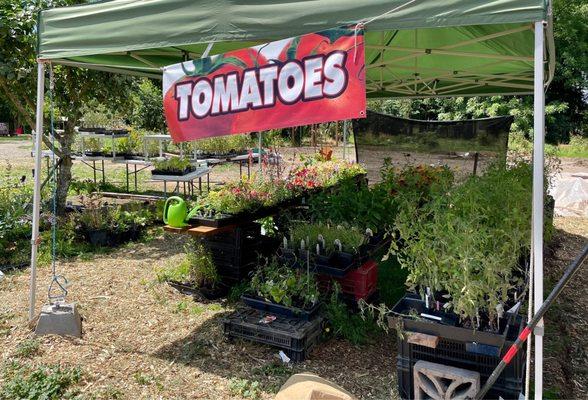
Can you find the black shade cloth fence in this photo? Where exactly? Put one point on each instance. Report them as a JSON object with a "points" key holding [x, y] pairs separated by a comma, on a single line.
{"points": [[465, 146]]}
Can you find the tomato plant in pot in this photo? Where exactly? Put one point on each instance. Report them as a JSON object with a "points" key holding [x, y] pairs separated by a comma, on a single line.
{"points": [[278, 289], [174, 166], [462, 249]]}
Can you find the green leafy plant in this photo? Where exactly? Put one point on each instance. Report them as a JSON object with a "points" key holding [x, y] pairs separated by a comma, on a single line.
{"points": [[203, 271], [376, 206], [15, 219], [466, 244], [285, 286], [223, 145], [27, 348], [196, 267], [173, 164], [41, 383], [343, 323], [245, 388]]}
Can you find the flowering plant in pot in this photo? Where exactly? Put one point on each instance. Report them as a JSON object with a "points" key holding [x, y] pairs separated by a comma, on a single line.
{"points": [[244, 196], [315, 173]]}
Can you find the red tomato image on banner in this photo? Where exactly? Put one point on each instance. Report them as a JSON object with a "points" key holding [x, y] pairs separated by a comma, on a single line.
{"points": [[319, 77]]}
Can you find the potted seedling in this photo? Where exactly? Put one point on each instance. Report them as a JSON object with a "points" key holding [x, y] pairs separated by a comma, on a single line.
{"points": [[279, 289]]}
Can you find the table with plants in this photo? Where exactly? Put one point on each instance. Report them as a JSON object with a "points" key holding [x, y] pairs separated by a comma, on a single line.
{"points": [[181, 171]]}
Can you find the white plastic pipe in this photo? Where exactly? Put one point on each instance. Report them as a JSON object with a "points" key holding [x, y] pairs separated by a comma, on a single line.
{"points": [[538, 172], [37, 188]]}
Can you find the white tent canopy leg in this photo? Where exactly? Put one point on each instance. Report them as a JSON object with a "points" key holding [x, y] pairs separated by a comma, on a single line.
{"points": [[538, 178], [37, 188]]}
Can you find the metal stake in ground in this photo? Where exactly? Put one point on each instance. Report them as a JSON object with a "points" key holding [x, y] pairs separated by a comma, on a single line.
{"points": [[568, 274]]}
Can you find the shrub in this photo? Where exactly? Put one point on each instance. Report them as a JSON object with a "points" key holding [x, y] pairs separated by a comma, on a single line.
{"points": [[376, 207], [15, 220]]}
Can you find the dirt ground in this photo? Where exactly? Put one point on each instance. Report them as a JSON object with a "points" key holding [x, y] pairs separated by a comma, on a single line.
{"points": [[144, 340]]}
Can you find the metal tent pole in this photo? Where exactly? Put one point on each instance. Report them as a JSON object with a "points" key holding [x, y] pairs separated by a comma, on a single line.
{"points": [[37, 188], [538, 182]]}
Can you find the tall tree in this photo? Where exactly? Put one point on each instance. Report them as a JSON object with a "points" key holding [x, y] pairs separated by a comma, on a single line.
{"points": [[73, 87]]}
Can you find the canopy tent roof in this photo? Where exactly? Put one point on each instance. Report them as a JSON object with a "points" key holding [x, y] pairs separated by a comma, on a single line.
{"points": [[425, 48]]}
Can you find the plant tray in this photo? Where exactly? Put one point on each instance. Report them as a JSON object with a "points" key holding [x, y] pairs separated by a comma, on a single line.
{"points": [[447, 324], [359, 283], [173, 173], [459, 354], [278, 309], [338, 266], [295, 336], [236, 219]]}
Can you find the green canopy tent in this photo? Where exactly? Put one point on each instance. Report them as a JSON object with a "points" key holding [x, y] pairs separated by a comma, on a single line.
{"points": [[426, 48], [414, 48]]}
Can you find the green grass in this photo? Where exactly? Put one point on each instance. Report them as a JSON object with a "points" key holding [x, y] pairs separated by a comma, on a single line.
{"points": [[22, 138], [566, 150]]}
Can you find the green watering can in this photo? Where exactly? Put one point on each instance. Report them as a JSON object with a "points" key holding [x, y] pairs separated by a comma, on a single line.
{"points": [[175, 212]]}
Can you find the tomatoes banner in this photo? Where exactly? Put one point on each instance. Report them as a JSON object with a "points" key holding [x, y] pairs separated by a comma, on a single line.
{"points": [[309, 79]]}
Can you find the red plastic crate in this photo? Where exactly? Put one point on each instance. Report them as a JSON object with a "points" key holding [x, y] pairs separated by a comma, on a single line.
{"points": [[360, 283]]}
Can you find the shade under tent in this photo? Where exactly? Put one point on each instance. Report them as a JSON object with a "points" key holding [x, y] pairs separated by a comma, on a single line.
{"points": [[426, 48]]}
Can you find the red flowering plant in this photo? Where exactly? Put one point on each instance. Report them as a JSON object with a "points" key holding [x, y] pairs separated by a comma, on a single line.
{"points": [[316, 173]]}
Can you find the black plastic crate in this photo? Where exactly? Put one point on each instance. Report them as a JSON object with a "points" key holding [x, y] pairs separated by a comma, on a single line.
{"points": [[295, 336], [447, 324], [467, 355], [278, 309]]}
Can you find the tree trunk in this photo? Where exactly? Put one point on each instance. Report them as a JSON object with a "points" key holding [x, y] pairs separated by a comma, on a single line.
{"points": [[64, 177]]}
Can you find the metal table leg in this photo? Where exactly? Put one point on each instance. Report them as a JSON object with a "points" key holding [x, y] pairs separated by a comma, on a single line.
{"points": [[127, 170], [135, 177], [94, 169], [103, 176]]}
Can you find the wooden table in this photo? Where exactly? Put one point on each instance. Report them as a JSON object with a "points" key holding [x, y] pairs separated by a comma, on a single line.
{"points": [[199, 230]]}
